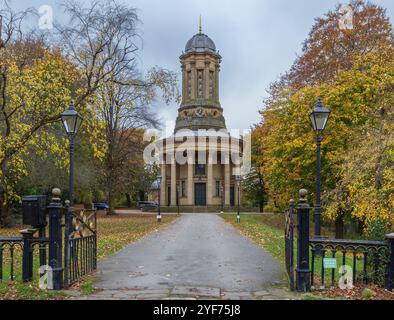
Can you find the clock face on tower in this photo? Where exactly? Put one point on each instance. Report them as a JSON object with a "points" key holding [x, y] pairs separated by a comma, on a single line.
{"points": [[200, 111]]}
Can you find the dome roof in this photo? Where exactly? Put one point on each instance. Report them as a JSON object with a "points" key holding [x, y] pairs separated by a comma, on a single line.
{"points": [[200, 42]]}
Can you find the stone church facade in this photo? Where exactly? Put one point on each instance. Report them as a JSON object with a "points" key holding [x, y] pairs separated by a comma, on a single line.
{"points": [[197, 168]]}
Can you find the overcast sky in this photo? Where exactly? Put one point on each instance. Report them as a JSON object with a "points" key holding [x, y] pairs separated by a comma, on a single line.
{"points": [[257, 39]]}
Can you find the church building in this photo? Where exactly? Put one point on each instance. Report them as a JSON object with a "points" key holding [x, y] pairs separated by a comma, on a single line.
{"points": [[198, 170]]}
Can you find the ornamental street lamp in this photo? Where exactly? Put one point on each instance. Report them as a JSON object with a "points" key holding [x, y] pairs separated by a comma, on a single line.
{"points": [[177, 196], [221, 199], [158, 207], [238, 181], [319, 117], [72, 121]]}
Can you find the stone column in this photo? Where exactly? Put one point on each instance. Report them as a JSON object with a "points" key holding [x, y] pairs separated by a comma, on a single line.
{"points": [[209, 178], [227, 184], [190, 175], [163, 185], [184, 83], [173, 182], [216, 90], [206, 80]]}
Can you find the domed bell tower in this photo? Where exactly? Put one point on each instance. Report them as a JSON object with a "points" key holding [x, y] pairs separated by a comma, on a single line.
{"points": [[200, 107]]}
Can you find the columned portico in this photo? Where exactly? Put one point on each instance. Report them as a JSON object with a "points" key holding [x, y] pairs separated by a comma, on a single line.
{"points": [[163, 185], [226, 184], [173, 182], [210, 177]]}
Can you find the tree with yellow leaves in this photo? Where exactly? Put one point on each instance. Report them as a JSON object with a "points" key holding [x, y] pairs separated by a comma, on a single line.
{"points": [[35, 85], [357, 176]]}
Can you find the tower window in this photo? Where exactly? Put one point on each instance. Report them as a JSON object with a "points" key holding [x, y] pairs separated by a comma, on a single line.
{"points": [[200, 82], [189, 84], [210, 84]]}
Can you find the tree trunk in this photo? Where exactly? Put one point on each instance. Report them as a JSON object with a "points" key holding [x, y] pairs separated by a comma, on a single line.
{"points": [[360, 227], [262, 190], [128, 199], [111, 209], [339, 227], [5, 218]]}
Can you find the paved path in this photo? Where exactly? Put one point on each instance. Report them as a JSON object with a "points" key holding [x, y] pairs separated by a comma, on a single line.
{"points": [[199, 255]]}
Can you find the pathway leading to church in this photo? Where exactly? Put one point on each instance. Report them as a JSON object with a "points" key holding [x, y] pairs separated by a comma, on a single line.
{"points": [[198, 256]]}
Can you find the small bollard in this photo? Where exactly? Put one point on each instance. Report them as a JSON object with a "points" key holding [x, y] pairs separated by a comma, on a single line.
{"points": [[390, 275], [27, 259]]}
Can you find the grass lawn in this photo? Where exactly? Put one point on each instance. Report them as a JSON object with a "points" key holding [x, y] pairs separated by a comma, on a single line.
{"points": [[114, 232], [266, 230]]}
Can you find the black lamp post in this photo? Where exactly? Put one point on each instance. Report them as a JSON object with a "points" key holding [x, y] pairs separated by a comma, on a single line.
{"points": [[177, 196], [221, 199], [158, 207], [238, 181], [319, 117], [72, 121]]}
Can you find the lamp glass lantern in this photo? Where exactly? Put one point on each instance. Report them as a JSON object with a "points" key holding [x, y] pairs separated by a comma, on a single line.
{"points": [[319, 117], [72, 120]]}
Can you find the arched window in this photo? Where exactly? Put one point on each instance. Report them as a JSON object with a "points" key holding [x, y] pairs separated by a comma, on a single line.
{"points": [[189, 84], [200, 84], [211, 84]]}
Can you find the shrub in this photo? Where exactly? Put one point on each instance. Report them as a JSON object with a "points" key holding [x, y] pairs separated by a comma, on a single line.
{"points": [[377, 229]]}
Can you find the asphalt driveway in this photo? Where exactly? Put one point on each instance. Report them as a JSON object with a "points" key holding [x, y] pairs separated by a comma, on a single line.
{"points": [[198, 254]]}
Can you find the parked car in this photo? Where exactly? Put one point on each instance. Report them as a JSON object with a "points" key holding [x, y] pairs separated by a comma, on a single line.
{"points": [[101, 206], [147, 205]]}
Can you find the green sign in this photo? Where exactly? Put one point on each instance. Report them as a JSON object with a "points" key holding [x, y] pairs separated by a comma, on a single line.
{"points": [[330, 263]]}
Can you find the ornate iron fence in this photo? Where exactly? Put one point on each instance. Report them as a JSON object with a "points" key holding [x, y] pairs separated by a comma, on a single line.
{"points": [[76, 227], [347, 261], [80, 251], [18, 253], [356, 261], [289, 243], [10, 243]]}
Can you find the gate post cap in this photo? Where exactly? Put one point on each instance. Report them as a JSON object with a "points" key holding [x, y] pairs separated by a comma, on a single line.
{"points": [[56, 192], [291, 201], [303, 193], [28, 232], [67, 202], [390, 236]]}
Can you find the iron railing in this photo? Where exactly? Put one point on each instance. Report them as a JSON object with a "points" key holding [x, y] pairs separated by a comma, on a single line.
{"points": [[82, 258], [10, 243], [366, 260], [80, 244], [17, 252]]}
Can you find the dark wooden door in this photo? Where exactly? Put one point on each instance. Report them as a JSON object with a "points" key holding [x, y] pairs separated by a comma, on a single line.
{"points": [[232, 196], [169, 196], [200, 194]]}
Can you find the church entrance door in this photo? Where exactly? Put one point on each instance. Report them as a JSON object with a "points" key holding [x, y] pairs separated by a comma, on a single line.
{"points": [[200, 194]]}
